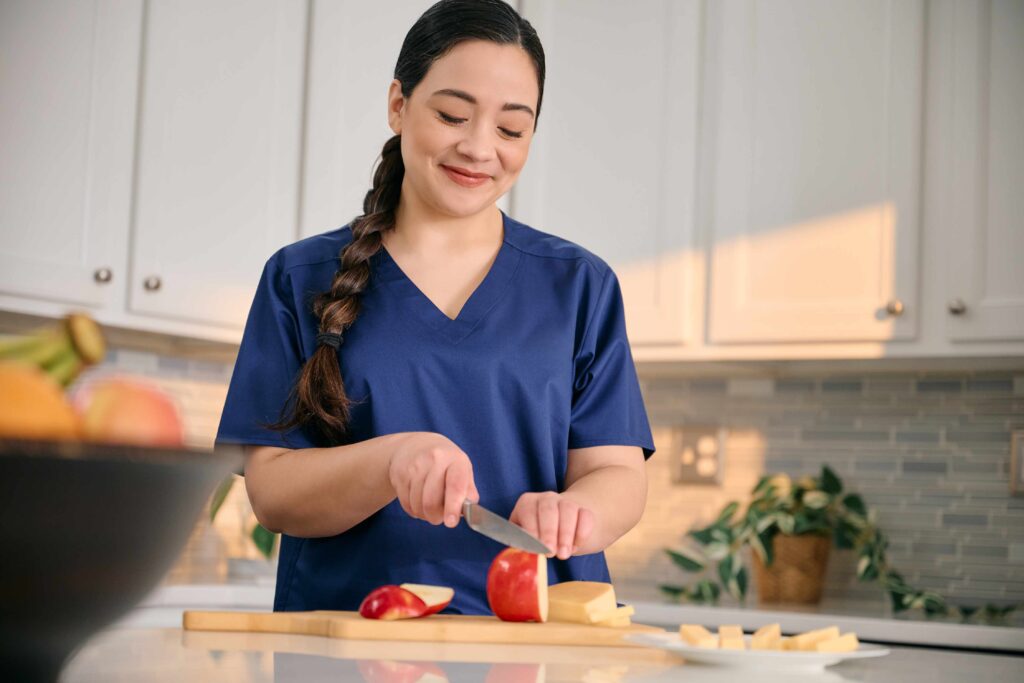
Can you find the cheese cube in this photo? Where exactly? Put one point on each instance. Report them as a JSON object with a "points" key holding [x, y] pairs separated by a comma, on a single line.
{"points": [[698, 636], [808, 640], [617, 617], [845, 643], [768, 637], [787, 644], [731, 638], [581, 602]]}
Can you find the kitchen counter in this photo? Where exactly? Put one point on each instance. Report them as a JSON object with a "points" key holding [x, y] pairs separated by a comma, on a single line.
{"points": [[164, 606], [155, 655]]}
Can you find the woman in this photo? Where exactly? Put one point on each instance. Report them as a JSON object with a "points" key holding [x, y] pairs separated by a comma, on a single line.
{"points": [[435, 349]]}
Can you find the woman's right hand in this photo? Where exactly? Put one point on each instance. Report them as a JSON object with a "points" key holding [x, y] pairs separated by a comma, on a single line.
{"points": [[432, 476]]}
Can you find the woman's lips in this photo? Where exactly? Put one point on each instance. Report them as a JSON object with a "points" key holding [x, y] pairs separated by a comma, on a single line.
{"points": [[463, 179]]}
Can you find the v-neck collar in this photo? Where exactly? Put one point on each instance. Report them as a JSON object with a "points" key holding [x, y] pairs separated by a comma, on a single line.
{"points": [[483, 298]]}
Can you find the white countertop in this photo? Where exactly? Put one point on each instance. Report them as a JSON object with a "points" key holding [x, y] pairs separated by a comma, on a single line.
{"points": [[158, 655]]}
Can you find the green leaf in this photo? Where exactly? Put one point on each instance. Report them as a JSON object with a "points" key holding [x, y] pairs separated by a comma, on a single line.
{"points": [[830, 482], [765, 537], [675, 592], [725, 570], [727, 512], [862, 566], [223, 489], [762, 484], [716, 551], [705, 591], [685, 560], [264, 540], [855, 503], [966, 611], [816, 500], [741, 582], [897, 601], [785, 522], [702, 536]]}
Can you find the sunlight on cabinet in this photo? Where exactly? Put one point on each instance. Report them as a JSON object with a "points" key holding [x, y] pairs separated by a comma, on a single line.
{"points": [[828, 278]]}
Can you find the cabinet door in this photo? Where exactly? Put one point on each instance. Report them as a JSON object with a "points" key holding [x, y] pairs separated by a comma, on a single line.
{"points": [[613, 161], [68, 87], [218, 157], [985, 225], [813, 129]]}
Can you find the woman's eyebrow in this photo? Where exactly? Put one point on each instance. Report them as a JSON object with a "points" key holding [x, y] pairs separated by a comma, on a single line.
{"points": [[463, 95]]}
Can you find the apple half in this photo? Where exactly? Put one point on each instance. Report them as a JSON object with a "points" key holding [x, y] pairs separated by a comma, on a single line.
{"points": [[517, 586], [407, 601]]}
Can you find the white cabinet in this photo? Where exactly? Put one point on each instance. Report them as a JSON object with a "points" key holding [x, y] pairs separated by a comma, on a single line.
{"points": [[812, 125], [68, 87], [612, 164], [218, 154], [151, 157], [983, 228]]}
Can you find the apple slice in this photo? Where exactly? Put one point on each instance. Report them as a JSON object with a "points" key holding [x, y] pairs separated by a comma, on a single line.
{"points": [[436, 598], [392, 602], [517, 586]]}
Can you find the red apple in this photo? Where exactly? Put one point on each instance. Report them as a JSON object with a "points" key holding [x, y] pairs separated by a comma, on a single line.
{"points": [[390, 671], [392, 602], [127, 410], [436, 598], [517, 586]]}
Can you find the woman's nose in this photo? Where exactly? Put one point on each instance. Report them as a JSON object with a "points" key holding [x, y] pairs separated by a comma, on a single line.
{"points": [[476, 144]]}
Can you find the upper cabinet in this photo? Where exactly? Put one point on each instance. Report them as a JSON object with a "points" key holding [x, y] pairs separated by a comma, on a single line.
{"points": [[68, 88], [612, 164], [218, 155], [983, 226], [812, 122], [770, 179]]}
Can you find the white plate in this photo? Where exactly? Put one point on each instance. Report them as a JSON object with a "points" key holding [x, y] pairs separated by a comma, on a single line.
{"points": [[761, 659]]}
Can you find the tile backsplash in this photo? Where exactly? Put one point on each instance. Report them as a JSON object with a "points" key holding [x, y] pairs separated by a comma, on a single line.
{"points": [[928, 451]]}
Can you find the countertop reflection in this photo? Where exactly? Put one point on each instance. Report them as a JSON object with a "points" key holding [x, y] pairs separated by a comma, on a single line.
{"points": [[156, 655]]}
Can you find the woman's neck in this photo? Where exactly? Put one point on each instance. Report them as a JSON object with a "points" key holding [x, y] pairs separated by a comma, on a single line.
{"points": [[421, 230]]}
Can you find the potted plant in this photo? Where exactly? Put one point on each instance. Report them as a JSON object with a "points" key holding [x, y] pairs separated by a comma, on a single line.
{"points": [[789, 527]]}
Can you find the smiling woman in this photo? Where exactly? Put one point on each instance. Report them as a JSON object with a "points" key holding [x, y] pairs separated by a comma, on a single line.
{"points": [[452, 352]]}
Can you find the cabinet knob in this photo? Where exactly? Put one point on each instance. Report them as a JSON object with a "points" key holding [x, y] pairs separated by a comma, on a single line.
{"points": [[957, 306], [152, 283], [103, 275], [894, 308]]}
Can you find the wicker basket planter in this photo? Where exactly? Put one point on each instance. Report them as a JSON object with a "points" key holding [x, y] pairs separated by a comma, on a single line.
{"points": [[797, 572]]}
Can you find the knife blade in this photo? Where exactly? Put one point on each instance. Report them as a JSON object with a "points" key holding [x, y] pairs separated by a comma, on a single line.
{"points": [[498, 528]]}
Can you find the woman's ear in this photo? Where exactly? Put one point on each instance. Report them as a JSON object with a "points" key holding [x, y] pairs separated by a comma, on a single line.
{"points": [[396, 106]]}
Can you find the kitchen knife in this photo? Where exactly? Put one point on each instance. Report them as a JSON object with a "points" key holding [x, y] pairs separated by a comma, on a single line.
{"points": [[500, 529]]}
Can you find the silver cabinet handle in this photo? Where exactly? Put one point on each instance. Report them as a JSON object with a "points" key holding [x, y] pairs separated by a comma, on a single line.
{"points": [[894, 308], [103, 275], [957, 306], [152, 283]]}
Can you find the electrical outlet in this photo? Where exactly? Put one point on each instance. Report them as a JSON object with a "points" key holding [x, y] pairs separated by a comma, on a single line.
{"points": [[697, 454]]}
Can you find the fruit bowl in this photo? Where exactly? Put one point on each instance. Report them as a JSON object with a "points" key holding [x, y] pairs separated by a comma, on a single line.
{"points": [[86, 531]]}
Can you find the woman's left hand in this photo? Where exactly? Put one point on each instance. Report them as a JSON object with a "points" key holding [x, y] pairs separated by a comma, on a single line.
{"points": [[559, 522]]}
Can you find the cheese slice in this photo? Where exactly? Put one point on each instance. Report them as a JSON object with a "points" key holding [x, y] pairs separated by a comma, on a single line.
{"points": [[730, 637], [787, 644], [768, 637], [845, 643], [808, 640], [581, 602], [698, 636], [617, 617]]}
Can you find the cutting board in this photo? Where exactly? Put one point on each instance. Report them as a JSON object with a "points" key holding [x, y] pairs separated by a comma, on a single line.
{"points": [[451, 628]]}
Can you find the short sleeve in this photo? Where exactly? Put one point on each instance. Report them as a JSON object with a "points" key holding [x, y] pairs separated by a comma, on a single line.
{"points": [[607, 406], [268, 363]]}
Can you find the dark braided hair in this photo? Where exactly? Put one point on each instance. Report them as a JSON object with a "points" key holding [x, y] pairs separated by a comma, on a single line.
{"points": [[319, 393]]}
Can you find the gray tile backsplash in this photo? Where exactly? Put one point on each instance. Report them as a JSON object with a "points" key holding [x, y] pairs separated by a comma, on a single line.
{"points": [[930, 453]]}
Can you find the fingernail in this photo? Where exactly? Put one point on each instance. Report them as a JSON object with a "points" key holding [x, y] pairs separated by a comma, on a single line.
{"points": [[450, 520], [563, 552]]}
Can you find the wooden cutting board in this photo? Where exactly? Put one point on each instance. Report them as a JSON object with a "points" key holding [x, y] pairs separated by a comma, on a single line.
{"points": [[451, 628]]}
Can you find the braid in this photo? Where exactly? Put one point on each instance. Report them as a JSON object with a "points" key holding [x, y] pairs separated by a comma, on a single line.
{"points": [[319, 393]]}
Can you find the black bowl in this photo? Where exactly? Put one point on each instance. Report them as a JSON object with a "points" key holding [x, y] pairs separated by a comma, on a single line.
{"points": [[86, 531]]}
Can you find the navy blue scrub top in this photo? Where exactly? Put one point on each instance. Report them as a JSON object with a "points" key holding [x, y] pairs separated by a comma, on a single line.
{"points": [[536, 362]]}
